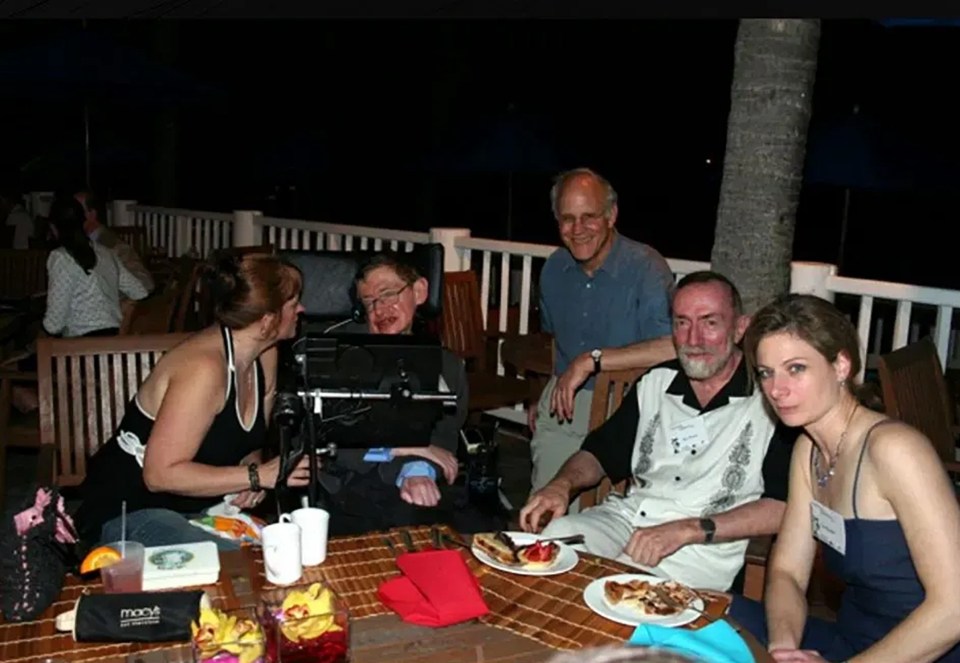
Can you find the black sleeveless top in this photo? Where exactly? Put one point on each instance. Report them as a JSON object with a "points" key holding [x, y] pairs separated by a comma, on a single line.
{"points": [[882, 585], [115, 472]]}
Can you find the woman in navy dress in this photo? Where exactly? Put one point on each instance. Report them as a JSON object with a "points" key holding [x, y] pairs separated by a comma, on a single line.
{"points": [[870, 489]]}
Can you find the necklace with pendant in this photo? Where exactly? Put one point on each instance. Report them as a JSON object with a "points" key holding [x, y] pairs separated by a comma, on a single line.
{"points": [[824, 477]]}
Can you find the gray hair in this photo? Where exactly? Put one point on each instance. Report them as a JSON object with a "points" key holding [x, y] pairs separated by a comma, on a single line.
{"points": [[619, 654], [564, 178]]}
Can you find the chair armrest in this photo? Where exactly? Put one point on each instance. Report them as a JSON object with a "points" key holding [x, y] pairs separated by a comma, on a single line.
{"points": [[529, 353], [18, 376], [758, 549]]}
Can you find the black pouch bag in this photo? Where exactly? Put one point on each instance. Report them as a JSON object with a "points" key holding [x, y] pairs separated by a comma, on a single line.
{"points": [[136, 617]]}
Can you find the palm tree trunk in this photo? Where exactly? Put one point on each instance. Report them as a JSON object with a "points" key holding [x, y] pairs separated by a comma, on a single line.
{"points": [[775, 63]]}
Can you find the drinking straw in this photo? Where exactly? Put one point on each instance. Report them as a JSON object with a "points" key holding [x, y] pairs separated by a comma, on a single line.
{"points": [[123, 529]]}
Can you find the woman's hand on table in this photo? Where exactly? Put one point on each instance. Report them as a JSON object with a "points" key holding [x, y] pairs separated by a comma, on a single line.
{"points": [[248, 499], [797, 656]]}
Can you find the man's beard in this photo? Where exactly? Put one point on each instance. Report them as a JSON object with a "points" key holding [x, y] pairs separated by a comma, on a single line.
{"points": [[703, 369]]}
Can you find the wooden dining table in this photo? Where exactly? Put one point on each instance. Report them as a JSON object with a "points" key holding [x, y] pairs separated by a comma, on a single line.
{"points": [[531, 618]]}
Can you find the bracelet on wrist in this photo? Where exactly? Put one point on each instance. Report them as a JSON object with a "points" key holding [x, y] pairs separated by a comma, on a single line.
{"points": [[254, 476]]}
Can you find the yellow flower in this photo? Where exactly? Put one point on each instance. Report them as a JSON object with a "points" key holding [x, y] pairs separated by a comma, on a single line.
{"points": [[306, 615], [219, 632]]}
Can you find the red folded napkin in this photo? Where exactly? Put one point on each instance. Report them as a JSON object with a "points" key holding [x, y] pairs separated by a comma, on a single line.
{"points": [[436, 589]]}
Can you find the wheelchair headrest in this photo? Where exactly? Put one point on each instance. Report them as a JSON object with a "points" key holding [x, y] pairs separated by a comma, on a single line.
{"points": [[329, 291]]}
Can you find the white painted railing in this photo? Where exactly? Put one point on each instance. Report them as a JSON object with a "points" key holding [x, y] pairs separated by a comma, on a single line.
{"points": [[920, 311], [37, 203], [508, 271], [292, 234], [175, 232]]}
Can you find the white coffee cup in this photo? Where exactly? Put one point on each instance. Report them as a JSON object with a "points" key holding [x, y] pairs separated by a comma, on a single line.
{"points": [[281, 551], [314, 525]]}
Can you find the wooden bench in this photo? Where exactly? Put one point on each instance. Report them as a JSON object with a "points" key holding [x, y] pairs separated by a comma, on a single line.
{"points": [[85, 385]]}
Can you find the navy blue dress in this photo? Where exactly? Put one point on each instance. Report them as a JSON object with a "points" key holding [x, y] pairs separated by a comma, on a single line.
{"points": [[882, 589]]}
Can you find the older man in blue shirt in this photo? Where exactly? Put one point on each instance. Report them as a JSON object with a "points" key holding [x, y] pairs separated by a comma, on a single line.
{"points": [[606, 300]]}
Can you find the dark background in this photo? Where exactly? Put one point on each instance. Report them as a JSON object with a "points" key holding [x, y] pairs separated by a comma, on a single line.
{"points": [[418, 123]]}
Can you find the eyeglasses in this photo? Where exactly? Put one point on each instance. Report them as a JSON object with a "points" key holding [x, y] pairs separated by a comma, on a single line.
{"points": [[388, 298]]}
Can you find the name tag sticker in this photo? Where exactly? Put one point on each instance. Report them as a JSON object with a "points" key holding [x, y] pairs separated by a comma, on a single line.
{"points": [[828, 527], [687, 435]]}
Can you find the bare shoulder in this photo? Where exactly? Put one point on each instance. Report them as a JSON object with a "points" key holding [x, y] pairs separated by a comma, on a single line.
{"points": [[897, 447], [196, 365]]}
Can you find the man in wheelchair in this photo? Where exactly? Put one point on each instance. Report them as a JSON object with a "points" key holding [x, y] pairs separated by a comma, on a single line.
{"points": [[381, 487]]}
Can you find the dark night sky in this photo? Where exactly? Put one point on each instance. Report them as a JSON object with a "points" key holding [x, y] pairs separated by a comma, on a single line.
{"points": [[368, 119]]}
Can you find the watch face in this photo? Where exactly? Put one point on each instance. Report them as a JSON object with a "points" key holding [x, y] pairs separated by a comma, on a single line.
{"points": [[595, 354]]}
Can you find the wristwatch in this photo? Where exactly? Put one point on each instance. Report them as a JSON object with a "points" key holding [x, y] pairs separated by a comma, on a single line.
{"points": [[595, 354], [709, 528]]}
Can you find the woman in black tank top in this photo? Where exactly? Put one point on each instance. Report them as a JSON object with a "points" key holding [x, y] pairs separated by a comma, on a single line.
{"points": [[195, 430]]}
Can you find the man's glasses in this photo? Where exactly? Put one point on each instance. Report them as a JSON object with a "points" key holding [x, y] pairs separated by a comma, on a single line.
{"points": [[388, 298]]}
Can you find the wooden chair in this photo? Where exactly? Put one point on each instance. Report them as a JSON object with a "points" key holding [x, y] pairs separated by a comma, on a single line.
{"points": [[135, 237], [16, 430], [608, 392], [85, 386], [153, 315], [186, 283], [915, 391], [23, 273], [462, 331]]}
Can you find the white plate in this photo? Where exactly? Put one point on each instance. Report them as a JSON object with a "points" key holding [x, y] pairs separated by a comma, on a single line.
{"points": [[566, 559], [593, 596]]}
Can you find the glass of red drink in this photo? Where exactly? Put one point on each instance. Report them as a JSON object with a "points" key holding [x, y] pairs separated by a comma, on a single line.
{"points": [[125, 576], [305, 624]]}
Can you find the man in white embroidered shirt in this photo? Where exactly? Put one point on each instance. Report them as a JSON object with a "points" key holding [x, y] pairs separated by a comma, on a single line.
{"points": [[707, 464]]}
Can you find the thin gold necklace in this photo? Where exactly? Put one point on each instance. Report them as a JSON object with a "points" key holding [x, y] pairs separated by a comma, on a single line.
{"points": [[824, 477]]}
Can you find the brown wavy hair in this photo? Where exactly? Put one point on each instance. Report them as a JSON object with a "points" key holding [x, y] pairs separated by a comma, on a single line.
{"points": [[244, 288]]}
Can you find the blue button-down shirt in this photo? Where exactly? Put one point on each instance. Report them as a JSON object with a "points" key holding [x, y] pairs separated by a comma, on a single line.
{"points": [[627, 300]]}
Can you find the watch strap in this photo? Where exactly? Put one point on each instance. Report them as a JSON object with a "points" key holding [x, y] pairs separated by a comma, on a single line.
{"points": [[254, 477], [709, 529]]}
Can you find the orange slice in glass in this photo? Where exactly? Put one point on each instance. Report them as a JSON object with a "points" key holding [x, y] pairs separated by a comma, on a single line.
{"points": [[99, 558]]}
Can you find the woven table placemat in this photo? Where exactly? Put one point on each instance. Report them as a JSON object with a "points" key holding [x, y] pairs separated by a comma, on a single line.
{"points": [[27, 642], [552, 610]]}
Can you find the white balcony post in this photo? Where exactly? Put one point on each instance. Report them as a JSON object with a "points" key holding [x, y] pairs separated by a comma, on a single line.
{"points": [[452, 260], [40, 202], [810, 278], [120, 212], [244, 228]]}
